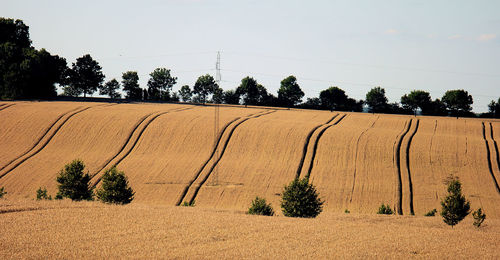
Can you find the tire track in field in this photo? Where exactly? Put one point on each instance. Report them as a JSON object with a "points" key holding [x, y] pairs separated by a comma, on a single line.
{"points": [[5, 106], [356, 157], [202, 178], [407, 157], [132, 140], [496, 147], [488, 154], [397, 156], [45, 140], [316, 142], [432, 140], [51, 126], [306, 145]]}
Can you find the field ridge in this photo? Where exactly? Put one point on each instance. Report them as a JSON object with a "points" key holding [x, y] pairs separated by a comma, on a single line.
{"points": [[5, 106], [488, 155], [407, 159], [397, 154]]}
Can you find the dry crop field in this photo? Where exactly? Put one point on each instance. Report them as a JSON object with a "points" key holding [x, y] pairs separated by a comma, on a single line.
{"points": [[171, 154]]}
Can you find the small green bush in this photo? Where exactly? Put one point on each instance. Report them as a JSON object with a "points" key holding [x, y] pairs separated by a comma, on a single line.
{"points": [[454, 206], [346, 211], [385, 209], [431, 213], [479, 217], [188, 204], [41, 194], [260, 207], [73, 183], [115, 188], [2, 192], [300, 199]]}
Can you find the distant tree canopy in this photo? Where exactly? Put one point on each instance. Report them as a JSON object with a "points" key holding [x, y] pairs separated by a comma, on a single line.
{"points": [[84, 77], [494, 108], [289, 93], [24, 71], [231, 97], [185, 93], [376, 100], [417, 99], [110, 89], [160, 84], [130, 83], [204, 86], [458, 101]]}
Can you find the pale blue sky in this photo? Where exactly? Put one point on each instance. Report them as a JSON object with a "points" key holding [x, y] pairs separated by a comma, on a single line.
{"points": [[356, 45]]}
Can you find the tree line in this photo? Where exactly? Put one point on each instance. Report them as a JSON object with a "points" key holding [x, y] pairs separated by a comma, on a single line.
{"points": [[29, 73]]}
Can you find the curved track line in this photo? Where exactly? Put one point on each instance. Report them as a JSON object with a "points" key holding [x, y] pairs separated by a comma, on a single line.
{"points": [[5, 106], [42, 145], [488, 154], [226, 142], [306, 145], [398, 166], [135, 141], [40, 138], [356, 157], [496, 147], [316, 142], [432, 139], [408, 145]]}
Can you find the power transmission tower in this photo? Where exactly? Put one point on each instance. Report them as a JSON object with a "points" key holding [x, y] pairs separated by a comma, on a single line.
{"points": [[216, 117]]}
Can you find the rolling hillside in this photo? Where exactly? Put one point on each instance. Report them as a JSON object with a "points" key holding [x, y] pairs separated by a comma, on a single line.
{"points": [[171, 154]]}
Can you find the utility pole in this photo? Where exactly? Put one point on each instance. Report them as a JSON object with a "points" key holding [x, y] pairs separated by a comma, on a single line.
{"points": [[216, 117]]}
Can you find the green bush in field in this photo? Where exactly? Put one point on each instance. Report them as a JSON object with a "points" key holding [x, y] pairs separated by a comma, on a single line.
{"points": [[300, 199], [454, 206], [385, 209], [431, 213], [115, 188], [41, 194], [479, 217], [260, 207], [73, 183], [2, 192]]}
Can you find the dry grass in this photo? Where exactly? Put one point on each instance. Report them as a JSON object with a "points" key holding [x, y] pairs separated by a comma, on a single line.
{"points": [[68, 230]]}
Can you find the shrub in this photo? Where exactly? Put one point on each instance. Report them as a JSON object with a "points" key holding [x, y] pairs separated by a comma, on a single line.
{"points": [[73, 183], [300, 199], [431, 213], [346, 211], [454, 206], [41, 194], [2, 192], [115, 188], [188, 204], [385, 209], [260, 207], [479, 217]]}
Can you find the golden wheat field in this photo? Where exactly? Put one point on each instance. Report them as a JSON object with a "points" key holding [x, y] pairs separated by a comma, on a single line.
{"points": [[172, 154]]}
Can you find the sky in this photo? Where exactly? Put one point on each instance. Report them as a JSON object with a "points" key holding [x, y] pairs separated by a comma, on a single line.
{"points": [[356, 45]]}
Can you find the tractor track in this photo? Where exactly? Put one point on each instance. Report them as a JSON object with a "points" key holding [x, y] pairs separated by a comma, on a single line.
{"points": [[488, 154], [7, 169], [150, 118], [410, 183], [306, 145], [5, 106], [316, 142], [40, 138], [397, 155], [216, 160], [356, 157], [496, 147]]}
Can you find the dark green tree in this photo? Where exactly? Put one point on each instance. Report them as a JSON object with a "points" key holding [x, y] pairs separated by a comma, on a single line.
{"points": [[417, 99], [260, 207], [454, 206], [494, 108], [290, 93], [218, 96], [333, 98], [85, 75], [73, 183], [312, 103], [24, 71], [300, 199], [204, 86], [160, 84], [376, 100], [110, 89], [185, 93], [130, 83], [231, 97], [252, 92], [458, 101], [115, 188]]}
